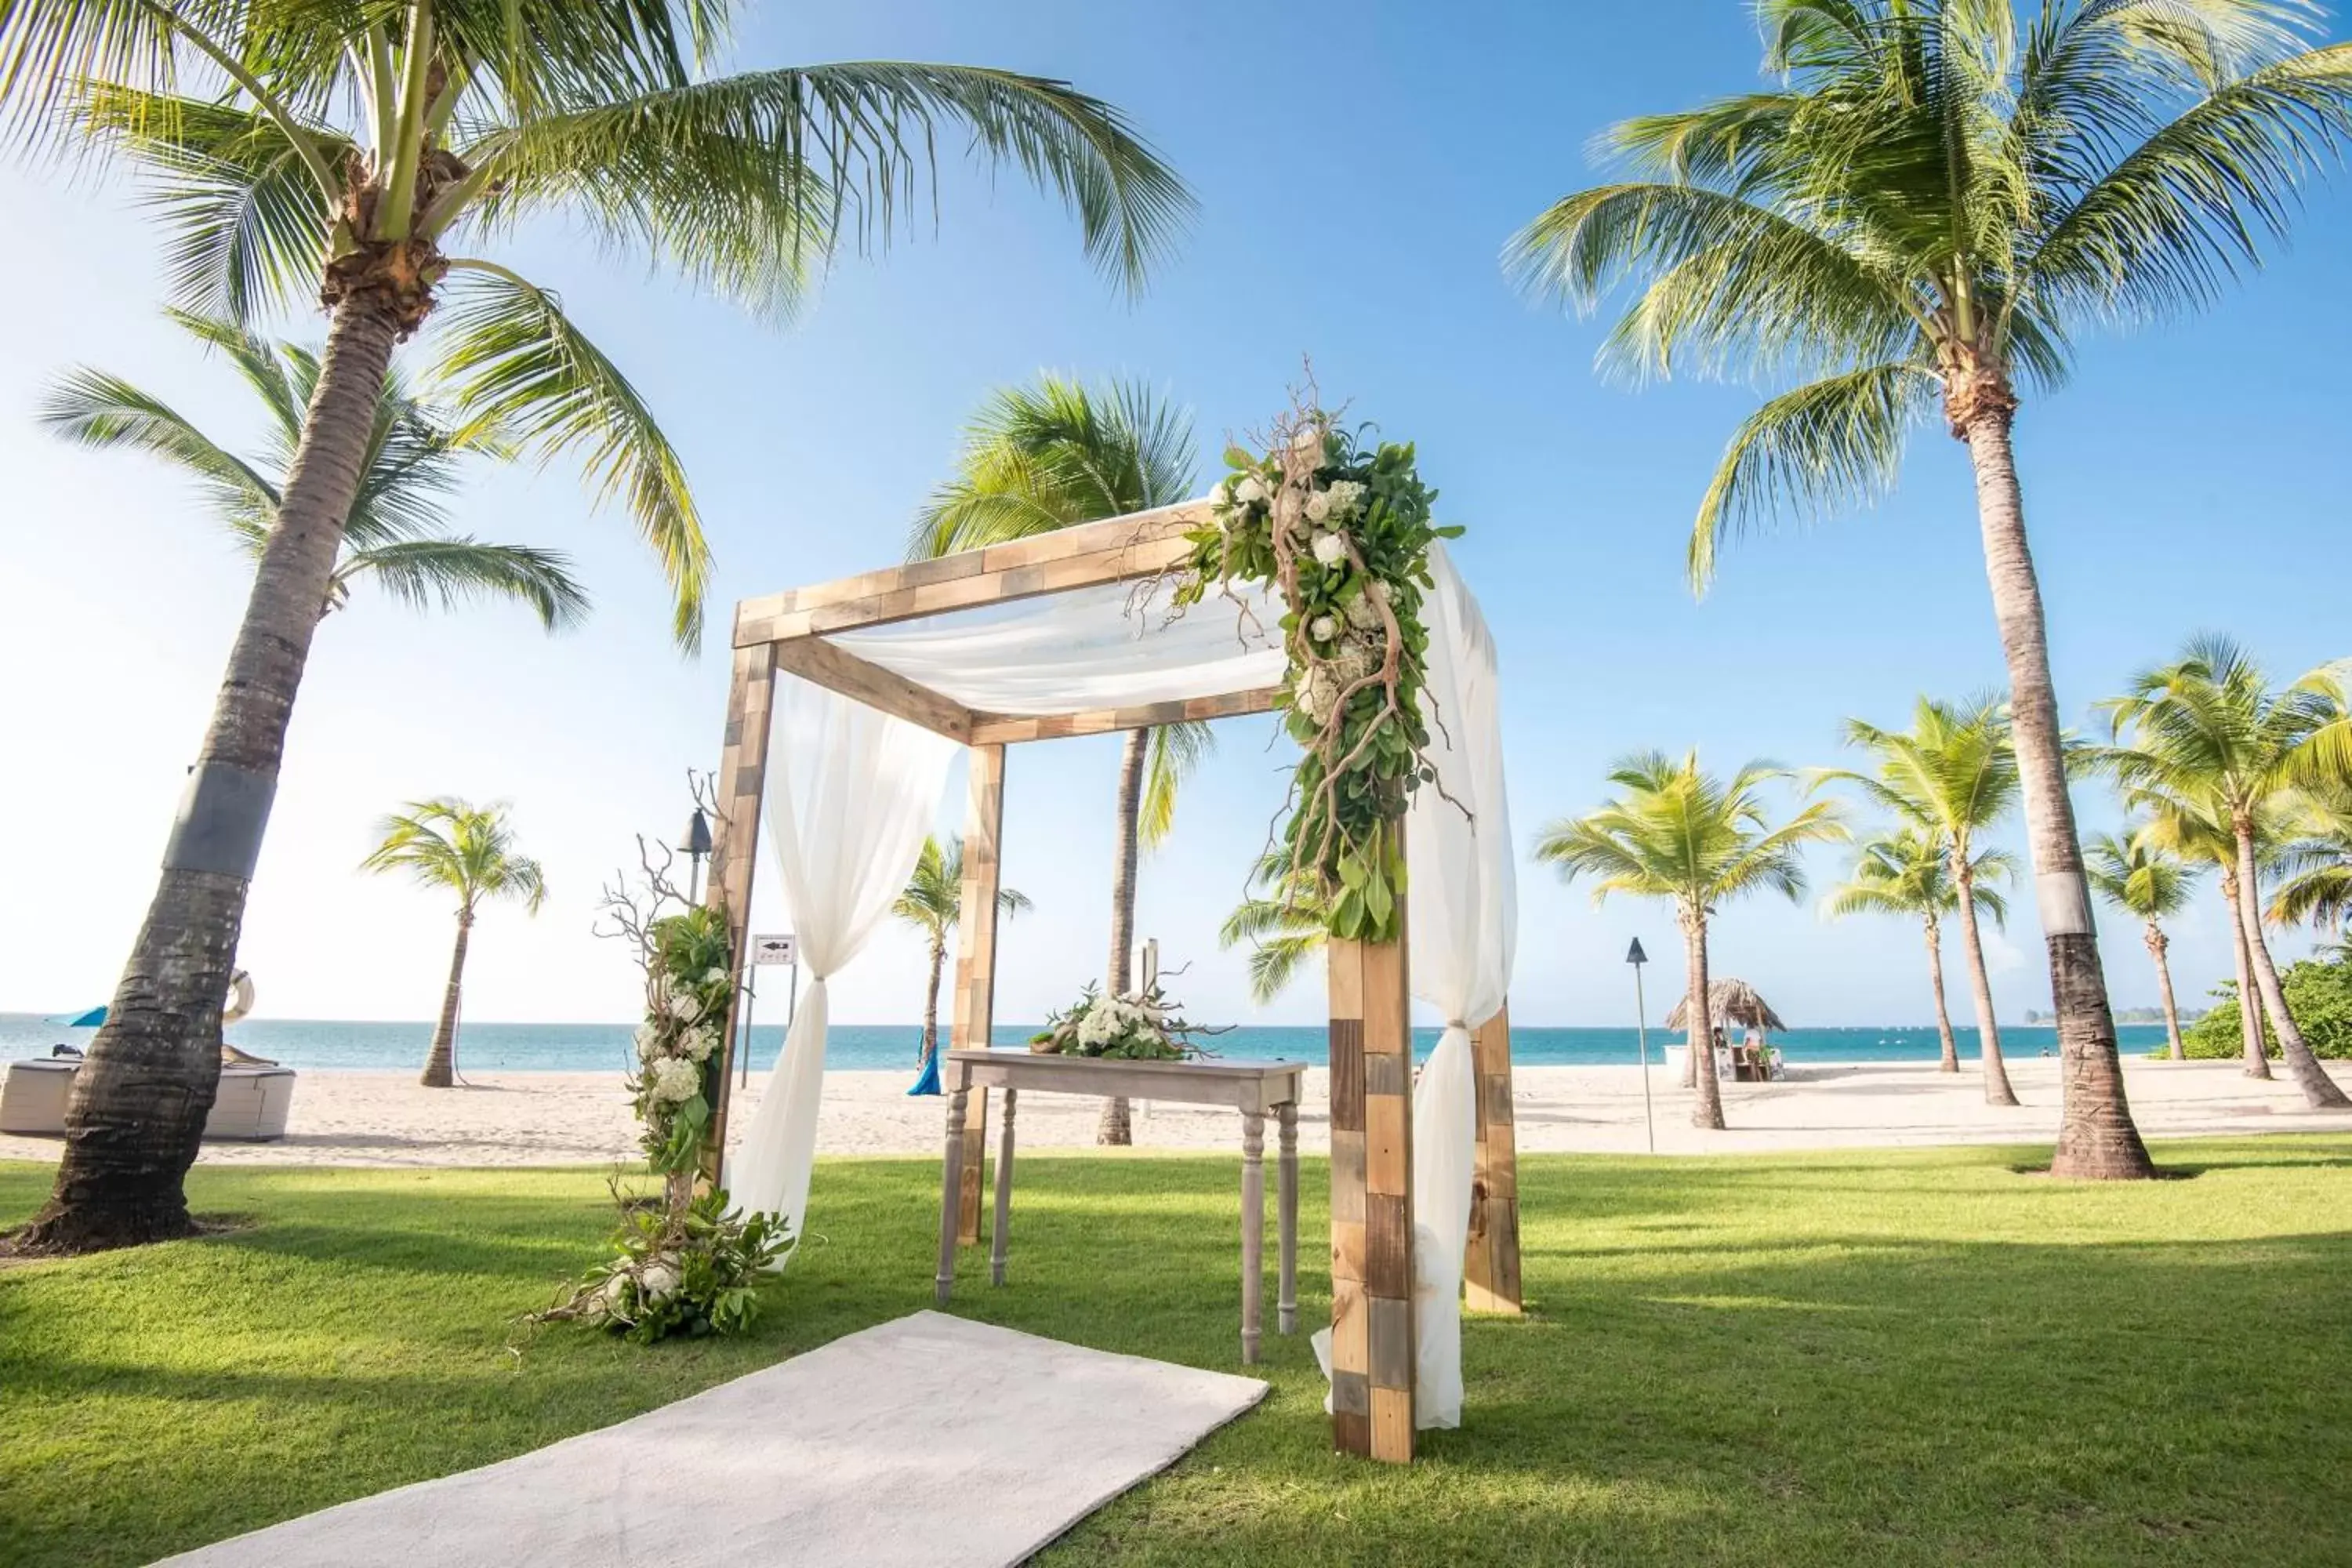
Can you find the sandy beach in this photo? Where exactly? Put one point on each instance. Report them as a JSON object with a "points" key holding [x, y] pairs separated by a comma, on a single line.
{"points": [[569, 1119]]}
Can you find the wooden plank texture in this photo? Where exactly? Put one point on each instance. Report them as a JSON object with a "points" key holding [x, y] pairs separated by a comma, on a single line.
{"points": [[814, 659], [1490, 1268], [975, 991], [1114, 551], [1372, 1345], [734, 850]]}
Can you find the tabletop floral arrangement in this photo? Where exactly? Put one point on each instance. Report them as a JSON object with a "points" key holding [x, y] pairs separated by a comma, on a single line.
{"points": [[1342, 529], [1142, 1025]]}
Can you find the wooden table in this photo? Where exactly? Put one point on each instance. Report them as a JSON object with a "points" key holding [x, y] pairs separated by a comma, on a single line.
{"points": [[1256, 1089]]}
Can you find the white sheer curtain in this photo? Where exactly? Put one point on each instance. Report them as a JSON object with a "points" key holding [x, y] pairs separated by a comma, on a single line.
{"points": [[1462, 931], [850, 793]]}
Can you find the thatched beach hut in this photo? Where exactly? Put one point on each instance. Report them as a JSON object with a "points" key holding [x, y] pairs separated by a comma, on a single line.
{"points": [[1729, 1001]]}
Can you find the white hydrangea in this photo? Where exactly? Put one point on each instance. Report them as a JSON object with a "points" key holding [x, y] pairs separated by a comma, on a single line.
{"points": [[1363, 612], [658, 1281], [1250, 490], [1345, 495], [649, 1044], [697, 1045], [1319, 506], [1330, 549], [1322, 628], [676, 1080]]}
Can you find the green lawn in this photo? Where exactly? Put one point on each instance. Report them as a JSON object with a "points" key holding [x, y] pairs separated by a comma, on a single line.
{"points": [[1855, 1359]]}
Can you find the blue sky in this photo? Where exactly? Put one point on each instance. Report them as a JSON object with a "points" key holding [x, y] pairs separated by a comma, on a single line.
{"points": [[1359, 170]]}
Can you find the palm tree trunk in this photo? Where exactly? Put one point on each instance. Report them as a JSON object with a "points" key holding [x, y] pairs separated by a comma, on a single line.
{"points": [[1996, 1071], [441, 1061], [1708, 1110], [2157, 943], [932, 1001], [142, 1093], [2250, 1012], [1950, 1059], [1116, 1126], [2319, 1092], [2096, 1136]]}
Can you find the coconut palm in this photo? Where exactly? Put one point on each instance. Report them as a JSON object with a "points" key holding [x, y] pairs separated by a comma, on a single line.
{"points": [[1283, 933], [2211, 726], [2196, 830], [1908, 872], [1917, 217], [2142, 878], [375, 158], [469, 851], [932, 902], [2318, 862], [1676, 832], [1953, 774], [396, 535], [1050, 455]]}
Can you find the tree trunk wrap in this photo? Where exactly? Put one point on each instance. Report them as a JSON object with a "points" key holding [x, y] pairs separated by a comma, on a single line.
{"points": [[441, 1061], [2319, 1090], [1949, 1060], [148, 1083], [1706, 1111], [1996, 1071], [2250, 1014], [2096, 1136], [2156, 946], [1117, 1128]]}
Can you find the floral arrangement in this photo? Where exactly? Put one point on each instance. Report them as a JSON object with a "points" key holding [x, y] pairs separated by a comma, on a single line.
{"points": [[687, 984], [1142, 1026], [1343, 531], [690, 1273]]}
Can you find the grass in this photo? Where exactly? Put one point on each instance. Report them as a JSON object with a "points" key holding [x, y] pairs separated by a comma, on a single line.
{"points": [[1883, 1358]]}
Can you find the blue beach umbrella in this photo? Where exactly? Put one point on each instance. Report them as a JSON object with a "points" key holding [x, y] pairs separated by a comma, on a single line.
{"points": [[90, 1020]]}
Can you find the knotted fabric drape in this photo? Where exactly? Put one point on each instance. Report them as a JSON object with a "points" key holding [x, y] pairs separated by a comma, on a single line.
{"points": [[851, 792], [1461, 931]]}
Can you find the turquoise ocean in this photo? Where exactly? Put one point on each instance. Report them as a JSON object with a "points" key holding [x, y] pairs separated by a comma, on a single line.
{"points": [[322, 1043]]}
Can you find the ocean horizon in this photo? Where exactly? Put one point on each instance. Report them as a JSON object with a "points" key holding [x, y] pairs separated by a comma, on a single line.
{"points": [[329, 1045]]}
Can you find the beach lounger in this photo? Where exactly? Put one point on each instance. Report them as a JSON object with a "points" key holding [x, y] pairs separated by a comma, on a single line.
{"points": [[251, 1107]]}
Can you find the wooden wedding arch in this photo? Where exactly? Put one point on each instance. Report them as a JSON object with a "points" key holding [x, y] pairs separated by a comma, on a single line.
{"points": [[1373, 1345]]}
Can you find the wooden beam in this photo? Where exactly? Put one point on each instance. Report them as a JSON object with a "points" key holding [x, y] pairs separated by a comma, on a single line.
{"points": [[1114, 551], [975, 990], [734, 850], [1490, 1271], [1373, 1353], [1009, 729], [814, 659]]}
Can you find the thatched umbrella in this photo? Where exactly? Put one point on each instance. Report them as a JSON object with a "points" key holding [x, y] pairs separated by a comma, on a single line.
{"points": [[1731, 1002]]}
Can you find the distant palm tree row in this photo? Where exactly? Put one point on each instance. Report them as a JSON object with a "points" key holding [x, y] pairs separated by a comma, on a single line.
{"points": [[2219, 767]]}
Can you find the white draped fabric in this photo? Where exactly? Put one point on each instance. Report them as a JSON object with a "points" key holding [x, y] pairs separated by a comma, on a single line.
{"points": [[850, 793]]}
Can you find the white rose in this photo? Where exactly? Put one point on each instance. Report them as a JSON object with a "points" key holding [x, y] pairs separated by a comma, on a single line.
{"points": [[714, 977], [1307, 442], [1319, 506], [1322, 628], [685, 1007], [1329, 549], [1250, 490]]}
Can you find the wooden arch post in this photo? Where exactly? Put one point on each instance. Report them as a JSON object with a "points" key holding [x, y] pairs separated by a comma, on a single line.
{"points": [[1374, 1347], [973, 1022], [734, 852], [1490, 1263]]}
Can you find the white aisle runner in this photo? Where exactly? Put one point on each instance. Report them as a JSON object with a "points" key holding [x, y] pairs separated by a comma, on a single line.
{"points": [[930, 1440]]}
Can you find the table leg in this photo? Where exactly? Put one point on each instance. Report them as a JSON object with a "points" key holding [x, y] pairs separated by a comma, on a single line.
{"points": [[951, 1192], [1252, 1230], [1286, 1208], [1004, 1190]]}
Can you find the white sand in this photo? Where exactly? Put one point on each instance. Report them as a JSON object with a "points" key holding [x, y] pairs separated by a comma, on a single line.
{"points": [[536, 1119]]}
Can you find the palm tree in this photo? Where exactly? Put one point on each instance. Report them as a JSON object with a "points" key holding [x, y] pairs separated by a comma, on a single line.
{"points": [[1677, 833], [372, 157], [2144, 878], [468, 850], [1051, 455], [2209, 725], [1953, 774], [2198, 832], [396, 534], [2318, 862], [1909, 872], [1933, 199], [1283, 933], [932, 902]]}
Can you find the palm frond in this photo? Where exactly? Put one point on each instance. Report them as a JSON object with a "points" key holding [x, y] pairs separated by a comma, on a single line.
{"points": [[1176, 750], [95, 409], [450, 572], [516, 365]]}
